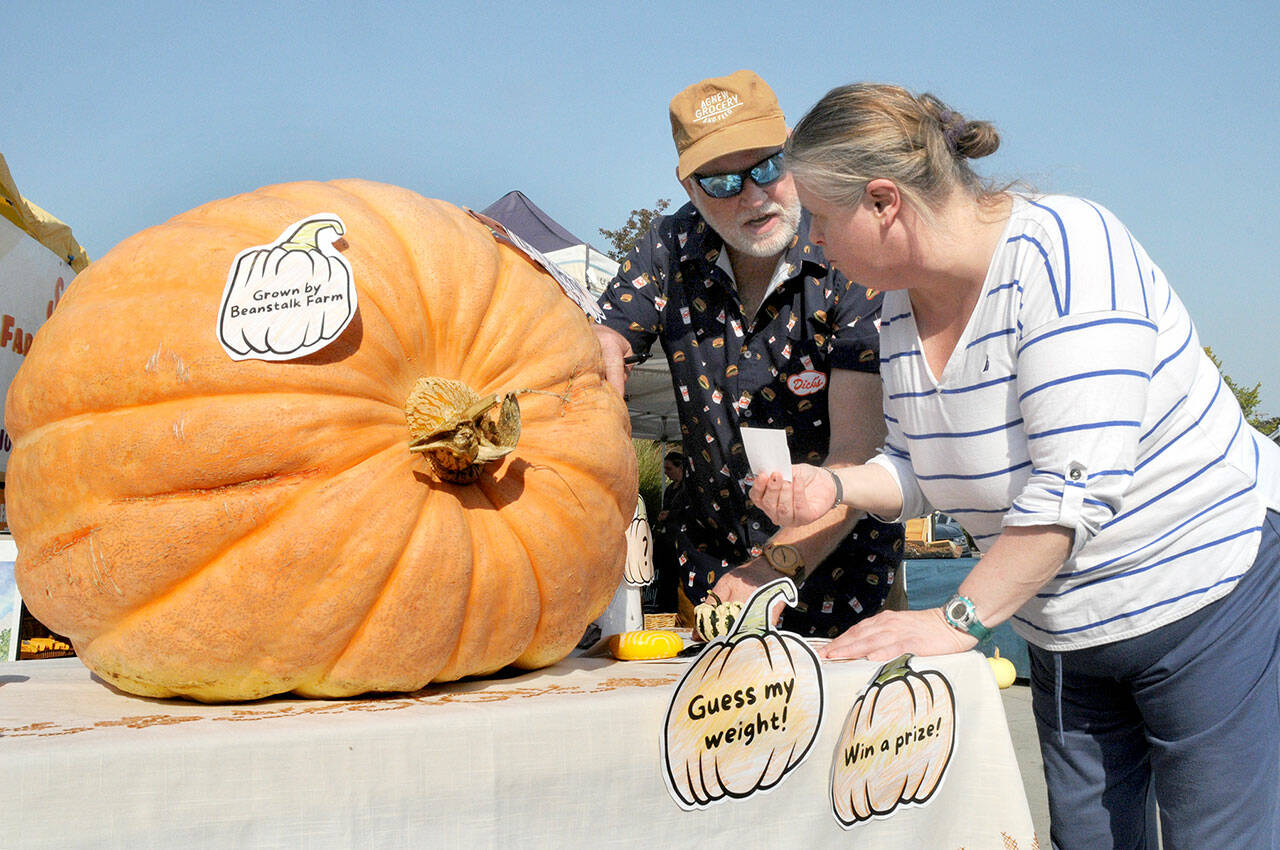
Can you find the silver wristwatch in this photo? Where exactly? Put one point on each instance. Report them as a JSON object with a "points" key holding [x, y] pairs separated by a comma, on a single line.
{"points": [[961, 615]]}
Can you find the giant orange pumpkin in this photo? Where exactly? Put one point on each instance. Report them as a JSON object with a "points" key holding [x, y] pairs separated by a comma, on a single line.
{"points": [[228, 529]]}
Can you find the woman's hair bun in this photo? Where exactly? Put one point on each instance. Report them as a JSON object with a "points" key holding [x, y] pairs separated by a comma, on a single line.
{"points": [[969, 139], [977, 139]]}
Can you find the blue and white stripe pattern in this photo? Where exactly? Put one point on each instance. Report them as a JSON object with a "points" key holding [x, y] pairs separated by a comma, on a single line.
{"points": [[1079, 396]]}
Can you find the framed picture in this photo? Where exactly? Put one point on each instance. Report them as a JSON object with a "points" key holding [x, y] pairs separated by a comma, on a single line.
{"points": [[10, 602]]}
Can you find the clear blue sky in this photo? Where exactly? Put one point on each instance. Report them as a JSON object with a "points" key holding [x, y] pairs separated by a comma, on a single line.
{"points": [[116, 116]]}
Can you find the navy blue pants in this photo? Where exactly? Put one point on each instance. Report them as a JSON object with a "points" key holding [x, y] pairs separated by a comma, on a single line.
{"points": [[1187, 716]]}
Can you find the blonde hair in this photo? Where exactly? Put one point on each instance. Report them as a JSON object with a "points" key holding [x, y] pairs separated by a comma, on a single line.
{"points": [[861, 132]]}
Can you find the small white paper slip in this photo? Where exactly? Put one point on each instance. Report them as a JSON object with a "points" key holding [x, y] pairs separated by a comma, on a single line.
{"points": [[767, 451]]}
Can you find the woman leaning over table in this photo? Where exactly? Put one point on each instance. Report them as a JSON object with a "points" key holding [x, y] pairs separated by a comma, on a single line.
{"points": [[1044, 385]]}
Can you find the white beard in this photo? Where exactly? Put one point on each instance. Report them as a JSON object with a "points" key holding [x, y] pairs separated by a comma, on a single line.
{"points": [[767, 246]]}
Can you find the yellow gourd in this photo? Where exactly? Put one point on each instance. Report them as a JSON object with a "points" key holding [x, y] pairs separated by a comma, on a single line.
{"points": [[645, 645], [1003, 669]]}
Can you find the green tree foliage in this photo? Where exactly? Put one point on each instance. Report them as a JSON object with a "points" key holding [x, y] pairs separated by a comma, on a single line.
{"points": [[1249, 399], [638, 224]]}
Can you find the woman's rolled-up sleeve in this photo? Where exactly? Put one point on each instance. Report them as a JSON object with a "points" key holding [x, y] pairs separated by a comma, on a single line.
{"points": [[1082, 390]]}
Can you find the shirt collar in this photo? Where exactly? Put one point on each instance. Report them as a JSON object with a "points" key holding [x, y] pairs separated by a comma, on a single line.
{"points": [[781, 272]]}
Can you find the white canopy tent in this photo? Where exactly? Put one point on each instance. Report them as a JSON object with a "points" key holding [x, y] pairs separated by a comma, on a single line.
{"points": [[586, 265], [651, 400], [39, 257]]}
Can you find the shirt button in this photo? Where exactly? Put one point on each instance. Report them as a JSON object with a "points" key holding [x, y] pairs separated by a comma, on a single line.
{"points": [[1075, 475]]}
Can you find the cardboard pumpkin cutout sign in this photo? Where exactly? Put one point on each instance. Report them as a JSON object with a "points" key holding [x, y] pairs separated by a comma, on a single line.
{"points": [[747, 711], [896, 744]]}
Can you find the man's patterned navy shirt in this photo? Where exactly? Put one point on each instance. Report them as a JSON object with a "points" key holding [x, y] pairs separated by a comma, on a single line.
{"points": [[729, 371]]}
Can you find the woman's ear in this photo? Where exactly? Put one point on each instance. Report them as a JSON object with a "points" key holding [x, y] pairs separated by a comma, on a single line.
{"points": [[884, 199]]}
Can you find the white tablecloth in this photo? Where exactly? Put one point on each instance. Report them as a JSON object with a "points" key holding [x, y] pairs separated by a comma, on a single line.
{"points": [[564, 757]]}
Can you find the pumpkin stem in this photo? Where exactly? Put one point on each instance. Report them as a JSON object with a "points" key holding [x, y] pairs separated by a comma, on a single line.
{"points": [[306, 237], [456, 430], [895, 669], [755, 616]]}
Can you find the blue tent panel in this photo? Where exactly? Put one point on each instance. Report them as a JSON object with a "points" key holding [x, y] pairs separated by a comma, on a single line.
{"points": [[522, 217]]}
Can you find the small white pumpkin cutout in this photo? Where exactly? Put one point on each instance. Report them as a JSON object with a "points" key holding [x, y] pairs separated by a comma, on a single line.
{"points": [[638, 571]]}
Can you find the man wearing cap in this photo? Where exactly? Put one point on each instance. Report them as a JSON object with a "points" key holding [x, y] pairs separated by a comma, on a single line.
{"points": [[757, 331]]}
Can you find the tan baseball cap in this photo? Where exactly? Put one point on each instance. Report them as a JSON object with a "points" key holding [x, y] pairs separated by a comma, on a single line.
{"points": [[724, 115]]}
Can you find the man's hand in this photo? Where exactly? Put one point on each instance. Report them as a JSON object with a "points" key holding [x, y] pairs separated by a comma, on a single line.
{"points": [[738, 584], [615, 349]]}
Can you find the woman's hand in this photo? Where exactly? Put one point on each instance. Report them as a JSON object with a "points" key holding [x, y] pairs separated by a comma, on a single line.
{"points": [[891, 633], [807, 496]]}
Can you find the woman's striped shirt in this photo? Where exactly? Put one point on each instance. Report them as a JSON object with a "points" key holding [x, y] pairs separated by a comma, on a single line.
{"points": [[1079, 396]]}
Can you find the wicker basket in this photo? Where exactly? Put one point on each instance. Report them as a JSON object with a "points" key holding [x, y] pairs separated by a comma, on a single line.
{"points": [[661, 621]]}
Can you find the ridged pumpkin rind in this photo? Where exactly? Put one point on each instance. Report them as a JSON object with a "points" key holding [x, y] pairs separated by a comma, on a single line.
{"points": [[226, 530]]}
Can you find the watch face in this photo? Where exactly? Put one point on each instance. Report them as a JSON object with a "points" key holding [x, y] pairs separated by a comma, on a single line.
{"points": [[784, 558], [958, 611]]}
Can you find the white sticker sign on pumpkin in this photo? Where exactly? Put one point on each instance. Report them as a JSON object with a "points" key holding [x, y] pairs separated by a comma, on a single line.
{"points": [[290, 298], [747, 711], [895, 745]]}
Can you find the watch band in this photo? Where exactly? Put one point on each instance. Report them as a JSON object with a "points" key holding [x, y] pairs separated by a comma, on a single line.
{"points": [[835, 479], [785, 559], [961, 615]]}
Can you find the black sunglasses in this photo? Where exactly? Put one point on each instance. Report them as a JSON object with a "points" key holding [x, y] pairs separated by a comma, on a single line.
{"points": [[726, 185]]}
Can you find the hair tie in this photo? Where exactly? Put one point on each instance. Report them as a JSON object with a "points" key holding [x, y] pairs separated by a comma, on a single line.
{"points": [[953, 126]]}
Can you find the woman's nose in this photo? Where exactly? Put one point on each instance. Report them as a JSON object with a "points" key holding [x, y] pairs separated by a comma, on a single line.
{"points": [[815, 232]]}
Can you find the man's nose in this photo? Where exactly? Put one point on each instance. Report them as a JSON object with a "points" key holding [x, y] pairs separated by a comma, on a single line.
{"points": [[753, 194]]}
